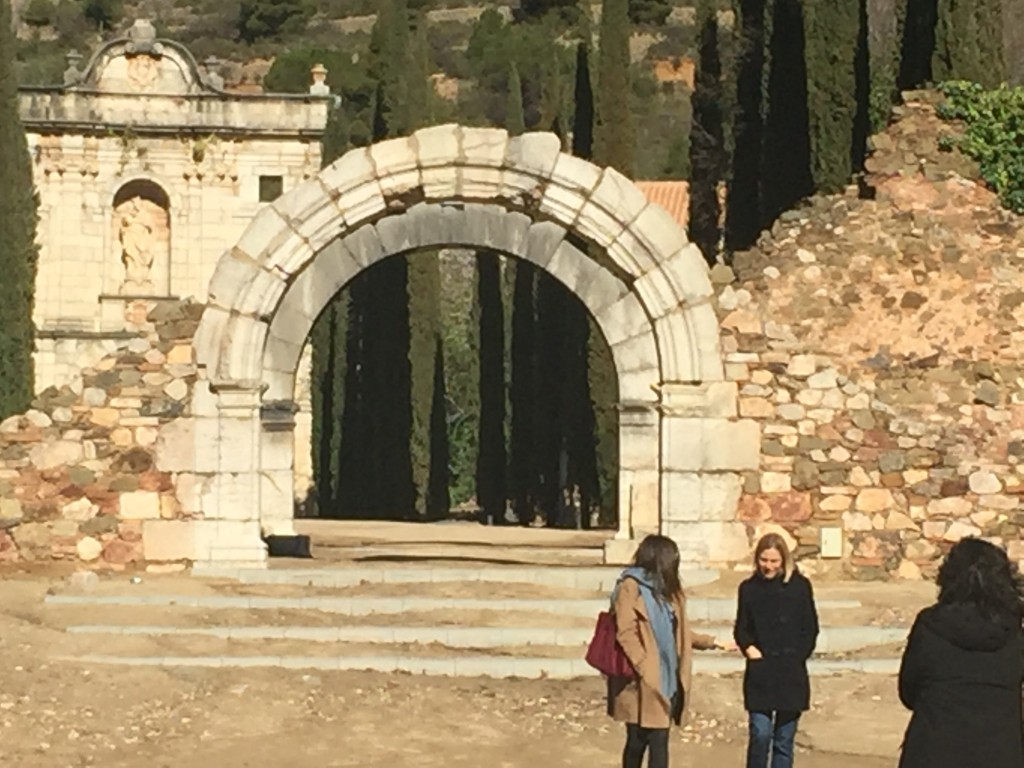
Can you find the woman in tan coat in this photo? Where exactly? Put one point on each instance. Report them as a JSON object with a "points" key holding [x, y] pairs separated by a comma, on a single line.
{"points": [[650, 614]]}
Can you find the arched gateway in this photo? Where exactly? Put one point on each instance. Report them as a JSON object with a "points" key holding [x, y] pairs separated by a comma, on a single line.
{"points": [[681, 445]]}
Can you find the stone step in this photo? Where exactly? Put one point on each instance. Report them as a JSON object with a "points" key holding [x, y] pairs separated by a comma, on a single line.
{"points": [[593, 579], [698, 609], [831, 640], [453, 554], [464, 666]]}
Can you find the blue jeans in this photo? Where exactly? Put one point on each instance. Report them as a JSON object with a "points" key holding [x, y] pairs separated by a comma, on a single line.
{"points": [[772, 733]]}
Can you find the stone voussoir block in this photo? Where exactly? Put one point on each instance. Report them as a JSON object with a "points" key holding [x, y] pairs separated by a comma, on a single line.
{"points": [[242, 358], [636, 354], [484, 147], [350, 171], [438, 145], [623, 320]]}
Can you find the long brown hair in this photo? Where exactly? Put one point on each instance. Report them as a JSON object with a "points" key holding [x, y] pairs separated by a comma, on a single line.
{"points": [[659, 557], [776, 542]]}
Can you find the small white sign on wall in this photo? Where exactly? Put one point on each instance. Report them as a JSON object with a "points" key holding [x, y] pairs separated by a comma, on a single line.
{"points": [[832, 542]]}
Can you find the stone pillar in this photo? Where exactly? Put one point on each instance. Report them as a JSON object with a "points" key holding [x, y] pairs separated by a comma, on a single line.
{"points": [[233, 496], [277, 462], [639, 471], [704, 449]]}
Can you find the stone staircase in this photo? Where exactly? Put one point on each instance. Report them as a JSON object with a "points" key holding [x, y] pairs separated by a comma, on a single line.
{"points": [[497, 621]]}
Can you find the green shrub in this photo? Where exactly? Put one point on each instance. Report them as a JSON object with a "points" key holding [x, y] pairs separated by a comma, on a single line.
{"points": [[993, 134]]}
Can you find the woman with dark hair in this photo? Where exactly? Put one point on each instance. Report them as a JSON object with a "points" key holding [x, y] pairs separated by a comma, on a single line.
{"points": [[962, 671], [650, 616], [776, 629]]}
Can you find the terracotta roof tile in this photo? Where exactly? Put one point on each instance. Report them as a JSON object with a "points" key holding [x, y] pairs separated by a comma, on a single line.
{"points": [[673, 196]]}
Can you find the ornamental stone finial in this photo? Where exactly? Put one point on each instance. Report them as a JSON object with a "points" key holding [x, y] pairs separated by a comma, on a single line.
{"points": [[319, 86], [142, 38], [73, 74]]}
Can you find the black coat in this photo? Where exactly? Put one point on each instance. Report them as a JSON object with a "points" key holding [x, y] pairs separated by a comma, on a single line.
{"points": [[961, 675], [779, 618]]}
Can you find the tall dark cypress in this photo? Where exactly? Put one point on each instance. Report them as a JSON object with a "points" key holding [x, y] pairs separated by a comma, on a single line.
{"points": [[969, 42], [329, 339], [522, 390], [831, 36], [491, 456], [384, 307], [743, 209], [429, 473], [615, 133], [862, 90], [590, 393], [917, 28], [786, 170], [19, 254], [708, 157]]}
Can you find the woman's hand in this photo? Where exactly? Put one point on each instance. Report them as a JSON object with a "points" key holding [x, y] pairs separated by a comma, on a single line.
{"points": [[727, 644], [753, 653]]}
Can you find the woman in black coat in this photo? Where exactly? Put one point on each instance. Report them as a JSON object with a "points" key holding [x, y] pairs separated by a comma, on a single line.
{"points": [[962, 669], [776, 628]]}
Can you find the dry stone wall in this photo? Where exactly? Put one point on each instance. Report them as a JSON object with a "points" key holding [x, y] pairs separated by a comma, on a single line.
{"points": [[80, 473], [880, 344]]}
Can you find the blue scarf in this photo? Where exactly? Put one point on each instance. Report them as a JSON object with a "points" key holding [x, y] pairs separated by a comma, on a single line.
{"points": [[660, 612]]}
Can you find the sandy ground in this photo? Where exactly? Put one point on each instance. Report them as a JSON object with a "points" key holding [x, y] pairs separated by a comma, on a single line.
{"points": [[55, 713]]}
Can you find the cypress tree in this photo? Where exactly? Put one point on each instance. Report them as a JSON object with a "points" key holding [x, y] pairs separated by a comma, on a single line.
{"points": [[522, 391], [743, 211], [614, 135], [832, 36], [862, 90], [491, 455], [969, 42], [438, 496], [515, 120], [424, 301], [583, 102], [329, 339], [707, 137], [786, 174], [591, 381], [917, 27], [384, 306], [18, 251]]}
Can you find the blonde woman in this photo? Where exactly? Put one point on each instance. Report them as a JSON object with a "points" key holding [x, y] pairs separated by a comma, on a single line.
{"points": [[776, 629]]}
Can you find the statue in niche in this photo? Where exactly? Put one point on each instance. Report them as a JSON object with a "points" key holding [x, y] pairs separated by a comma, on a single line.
{"points": [[139, 222]]}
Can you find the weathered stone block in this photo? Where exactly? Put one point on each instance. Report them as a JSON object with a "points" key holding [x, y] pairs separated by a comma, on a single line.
{"points": [[439, 145], [636, 354], [700, 497], [532, 154], [351, 170], [542, 241], [623, 320], [169, 540], [484, 146], [140, 505], [711, 444]]}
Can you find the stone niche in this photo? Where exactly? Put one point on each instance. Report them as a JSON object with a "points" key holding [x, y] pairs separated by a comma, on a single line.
{"points": [[141, 239]]}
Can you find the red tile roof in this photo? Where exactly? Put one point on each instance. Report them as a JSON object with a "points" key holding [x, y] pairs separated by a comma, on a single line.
{"points": [[673, 196]]}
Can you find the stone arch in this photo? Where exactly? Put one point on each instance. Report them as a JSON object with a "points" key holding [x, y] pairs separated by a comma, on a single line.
{"points": [[681, 447]]}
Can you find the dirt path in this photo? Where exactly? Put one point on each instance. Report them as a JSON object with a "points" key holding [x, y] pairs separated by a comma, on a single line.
{"points": [[67, 715]]}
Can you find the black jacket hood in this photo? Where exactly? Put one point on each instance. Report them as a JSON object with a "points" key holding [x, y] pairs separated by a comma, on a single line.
{"points": [[965, 627]]}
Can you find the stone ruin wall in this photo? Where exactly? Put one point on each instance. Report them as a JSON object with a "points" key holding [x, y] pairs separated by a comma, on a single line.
{"points": [[880, 345], [874, 341], [90, 473]]}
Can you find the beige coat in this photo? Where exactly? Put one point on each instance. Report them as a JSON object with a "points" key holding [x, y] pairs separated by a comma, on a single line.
{"points": [[639, 700]]}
